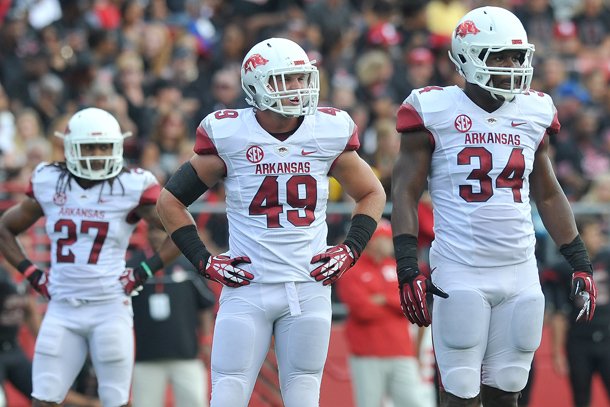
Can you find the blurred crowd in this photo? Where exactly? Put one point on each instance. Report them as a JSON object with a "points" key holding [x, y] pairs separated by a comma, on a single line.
{"points": [[161, 65]]}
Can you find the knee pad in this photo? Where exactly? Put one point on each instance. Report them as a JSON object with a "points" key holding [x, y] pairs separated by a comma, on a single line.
{"points": [[512, 378], [48, 386], [462, 382], [231, 353], [112, 396], [308, 345], [302, 391], [230, 391]]}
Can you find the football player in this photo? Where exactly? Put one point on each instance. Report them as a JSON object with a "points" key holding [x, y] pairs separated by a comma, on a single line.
{"points": [[91, 205], [275, 159], [485, 151]]}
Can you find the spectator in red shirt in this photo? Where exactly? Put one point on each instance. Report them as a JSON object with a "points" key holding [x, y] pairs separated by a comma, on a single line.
{"points": [[383, 359]]}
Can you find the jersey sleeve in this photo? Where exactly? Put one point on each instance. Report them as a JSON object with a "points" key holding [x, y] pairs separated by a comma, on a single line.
{"points": [[409, 117], [425, 108], [204, 144], [149, 192], [150, 195], [555, 126], [36, 180], [353, 143]]}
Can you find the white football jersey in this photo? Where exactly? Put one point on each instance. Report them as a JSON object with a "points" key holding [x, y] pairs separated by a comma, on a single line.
{"points": [[479, 180], [89, 228], [276, 191]]}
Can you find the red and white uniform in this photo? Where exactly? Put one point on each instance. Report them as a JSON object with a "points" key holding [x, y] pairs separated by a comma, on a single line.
{"points": [[481, 165], [88, 312], [276, 194], [483, 252], [277, 190], [90, 229]]}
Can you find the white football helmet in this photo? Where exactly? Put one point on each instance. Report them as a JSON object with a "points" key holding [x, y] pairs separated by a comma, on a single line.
{"points": [[266, 65], [486, 30], [93, 126]]}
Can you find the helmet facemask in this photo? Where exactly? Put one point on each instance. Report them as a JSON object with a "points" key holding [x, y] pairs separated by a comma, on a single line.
{"points": [[88, 166], [291, 102]]}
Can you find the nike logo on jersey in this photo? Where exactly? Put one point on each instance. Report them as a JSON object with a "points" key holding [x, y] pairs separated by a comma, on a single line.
{"points": [[303, 152], [516, 124]]}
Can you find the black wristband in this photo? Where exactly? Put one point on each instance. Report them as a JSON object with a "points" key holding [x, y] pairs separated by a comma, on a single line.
{"points": [[576, 254], [185, 184], [405, 251], [152, 264], [24, 265], [187, 240], [360, 231]]}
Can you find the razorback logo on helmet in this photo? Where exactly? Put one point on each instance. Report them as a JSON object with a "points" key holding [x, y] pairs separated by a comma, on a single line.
{"points": [[254, 61], [465, 28]]}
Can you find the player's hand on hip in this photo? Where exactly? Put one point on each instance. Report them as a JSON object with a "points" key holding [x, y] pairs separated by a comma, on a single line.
{"points": [[584, 294], [39, 280], [335, 261], [414, 287], [132, 280], [224, 270]]}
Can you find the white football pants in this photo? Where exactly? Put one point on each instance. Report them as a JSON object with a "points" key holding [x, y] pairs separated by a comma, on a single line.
{"points": [[297, 315], [490, 326], [68, 332]]}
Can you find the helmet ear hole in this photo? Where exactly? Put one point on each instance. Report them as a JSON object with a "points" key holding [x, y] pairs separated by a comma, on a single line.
{"points": [[462, 58]]}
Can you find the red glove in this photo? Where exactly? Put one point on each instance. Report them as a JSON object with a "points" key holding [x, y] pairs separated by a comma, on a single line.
{"points": [[584, 290], [413, 291], [39, 280], [224, 270], [336, 261], [132, 279]]}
